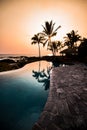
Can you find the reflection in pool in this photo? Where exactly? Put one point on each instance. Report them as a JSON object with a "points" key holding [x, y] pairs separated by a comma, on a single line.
{"points": [[43, 76], [22, 97]]}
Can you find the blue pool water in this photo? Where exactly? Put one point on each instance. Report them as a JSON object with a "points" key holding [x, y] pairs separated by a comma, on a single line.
{"points": [[22, 96]]}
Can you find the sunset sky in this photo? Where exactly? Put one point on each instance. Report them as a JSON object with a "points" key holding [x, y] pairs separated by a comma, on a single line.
{"points": [[21, 19]]}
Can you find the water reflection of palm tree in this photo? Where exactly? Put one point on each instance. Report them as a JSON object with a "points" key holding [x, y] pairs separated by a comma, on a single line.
{"points": [[43, 77], [36, 74]]}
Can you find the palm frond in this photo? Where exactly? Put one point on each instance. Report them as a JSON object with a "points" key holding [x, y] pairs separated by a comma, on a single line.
{"points": [[48, 26], [45, 30], [44, 43], [52, 27], [51, 22], [57, 28], [53, 34], [33, 42]]}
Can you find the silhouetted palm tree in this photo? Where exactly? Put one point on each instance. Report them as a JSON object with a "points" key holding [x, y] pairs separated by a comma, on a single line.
{"points": [[37, 39], [71, 39], [54, 47], [49, 31]]}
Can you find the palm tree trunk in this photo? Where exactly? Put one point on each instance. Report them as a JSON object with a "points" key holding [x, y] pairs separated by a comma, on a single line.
{"points": [[53, 52], [39, 50], [49, 42]]}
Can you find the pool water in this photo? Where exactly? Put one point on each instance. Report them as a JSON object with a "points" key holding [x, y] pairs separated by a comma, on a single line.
{"points": [[23, 95]]}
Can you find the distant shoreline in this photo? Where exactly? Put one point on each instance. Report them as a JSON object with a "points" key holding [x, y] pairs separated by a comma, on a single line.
{"points": [[16, 62]]}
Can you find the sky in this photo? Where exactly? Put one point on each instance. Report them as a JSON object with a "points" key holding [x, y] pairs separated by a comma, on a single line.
{"points": [[21, 19]]}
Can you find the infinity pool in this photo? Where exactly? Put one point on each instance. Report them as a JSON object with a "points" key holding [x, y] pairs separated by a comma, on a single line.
{"points": [[23, 94]]}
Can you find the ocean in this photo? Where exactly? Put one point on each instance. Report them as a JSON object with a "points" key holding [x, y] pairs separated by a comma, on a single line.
{"points": [[16, 55]]}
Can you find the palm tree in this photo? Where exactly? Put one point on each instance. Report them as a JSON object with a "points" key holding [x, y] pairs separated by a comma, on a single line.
{"points": [[71, 39], [37, 39], [49, 31], [54, 47]]}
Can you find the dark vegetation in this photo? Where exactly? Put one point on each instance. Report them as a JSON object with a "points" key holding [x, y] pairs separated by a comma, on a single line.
{"points": [[9, 65], [74, 47]]}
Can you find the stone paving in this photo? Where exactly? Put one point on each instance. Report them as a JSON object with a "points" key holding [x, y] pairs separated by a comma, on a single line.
{"points": [[66, 107]]}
